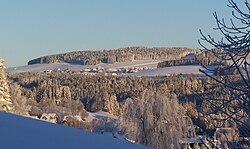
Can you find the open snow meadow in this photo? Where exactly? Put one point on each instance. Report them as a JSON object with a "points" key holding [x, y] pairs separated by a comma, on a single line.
{"points": [[151, 66]]}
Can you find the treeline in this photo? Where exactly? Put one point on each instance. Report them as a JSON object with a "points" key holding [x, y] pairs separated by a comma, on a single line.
{"points": [[113, 56], [108, 93], [98, 92], [204, 58]]}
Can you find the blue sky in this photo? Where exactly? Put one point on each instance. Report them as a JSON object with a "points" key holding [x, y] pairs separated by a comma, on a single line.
{"points": [[33, 28]]}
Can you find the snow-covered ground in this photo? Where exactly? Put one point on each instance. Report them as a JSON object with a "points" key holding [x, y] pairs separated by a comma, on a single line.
{"points": [[150, 64], [43, 67], [100, 114], [23, 132], [64, 66], [187, 69]]}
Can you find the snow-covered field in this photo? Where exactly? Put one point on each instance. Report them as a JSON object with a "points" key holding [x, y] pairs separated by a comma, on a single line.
{"points": [[150, 64], [21, 132], [188, 69], [43, 67], [63, 66]]}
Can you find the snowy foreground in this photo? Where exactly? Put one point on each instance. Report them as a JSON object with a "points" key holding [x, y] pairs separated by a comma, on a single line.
{"points": [[26, 133]]}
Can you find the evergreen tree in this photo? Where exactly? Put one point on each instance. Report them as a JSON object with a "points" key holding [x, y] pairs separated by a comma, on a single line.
{"points": [[5, 101]]}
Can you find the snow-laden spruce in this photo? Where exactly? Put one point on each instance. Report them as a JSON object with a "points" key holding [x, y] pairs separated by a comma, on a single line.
{"points": [[5, 101]]}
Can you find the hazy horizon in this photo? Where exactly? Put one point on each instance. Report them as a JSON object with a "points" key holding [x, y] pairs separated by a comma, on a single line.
{"points": [[30, 29]]}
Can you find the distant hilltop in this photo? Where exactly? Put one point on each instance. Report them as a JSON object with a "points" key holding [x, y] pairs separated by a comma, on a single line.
{"points": [[93, 57]]}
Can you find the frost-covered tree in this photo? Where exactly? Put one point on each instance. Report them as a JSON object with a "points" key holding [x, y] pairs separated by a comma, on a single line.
{"points": [[155, 120], [5, 101], [111, 105], [21, 105]]}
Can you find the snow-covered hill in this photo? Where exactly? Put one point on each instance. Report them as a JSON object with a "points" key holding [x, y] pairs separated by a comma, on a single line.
{"points": [[21, 132]]}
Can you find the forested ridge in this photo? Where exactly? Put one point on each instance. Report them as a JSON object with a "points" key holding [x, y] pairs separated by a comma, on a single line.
{"points": [[92, 57], [200, 58]]}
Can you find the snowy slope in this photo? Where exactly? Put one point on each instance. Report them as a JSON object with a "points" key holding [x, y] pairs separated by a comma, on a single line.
{"points": [[152, 71], [187, 69], [64, 66], [151, 64], [25, 133]]}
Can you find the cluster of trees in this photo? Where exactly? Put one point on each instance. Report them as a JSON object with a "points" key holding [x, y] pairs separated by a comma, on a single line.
{"points": [[109, 93], [60, 103], [100, 92], [21, 104], [155, 120], [112, 56], [203, 58]]}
